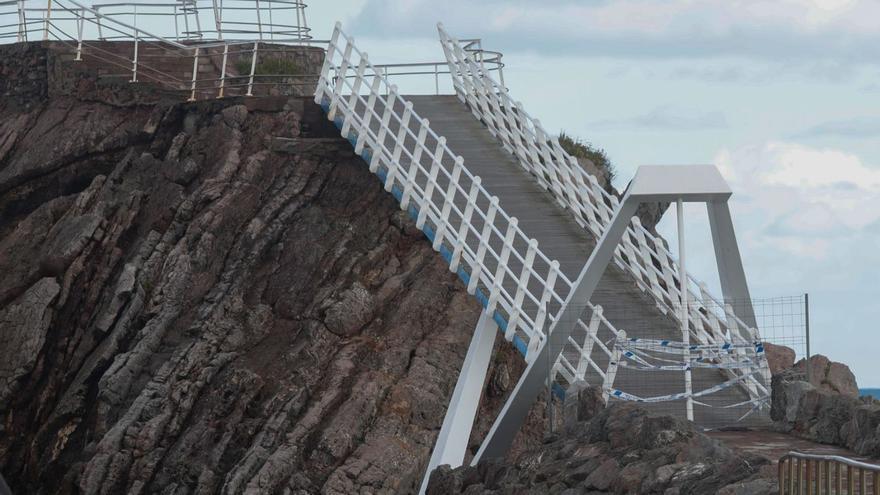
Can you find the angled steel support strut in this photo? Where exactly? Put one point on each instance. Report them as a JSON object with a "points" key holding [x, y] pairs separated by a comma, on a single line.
{"points": [[651, 184]]}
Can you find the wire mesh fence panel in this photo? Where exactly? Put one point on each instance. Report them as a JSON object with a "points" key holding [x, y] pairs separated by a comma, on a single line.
{"points": [[716, 373]]}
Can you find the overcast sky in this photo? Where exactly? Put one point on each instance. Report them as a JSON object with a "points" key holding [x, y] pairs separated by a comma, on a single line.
{"points": [[783, 96]]}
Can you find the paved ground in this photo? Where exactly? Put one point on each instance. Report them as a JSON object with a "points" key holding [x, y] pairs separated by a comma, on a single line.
{"points": [[775, 445]]}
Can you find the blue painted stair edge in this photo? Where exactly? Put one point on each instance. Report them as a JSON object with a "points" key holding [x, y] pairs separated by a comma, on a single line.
{"points": [[465, 277]]}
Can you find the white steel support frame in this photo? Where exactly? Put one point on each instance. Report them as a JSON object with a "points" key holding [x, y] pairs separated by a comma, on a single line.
{"points": [[651, 184], [456, 430]]}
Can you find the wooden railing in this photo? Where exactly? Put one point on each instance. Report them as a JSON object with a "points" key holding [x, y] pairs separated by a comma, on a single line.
{"points": [[810, 474]]}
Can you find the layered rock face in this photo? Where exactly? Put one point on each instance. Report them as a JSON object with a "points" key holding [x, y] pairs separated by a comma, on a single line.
{"points": [[183, 310], [621, 449]]}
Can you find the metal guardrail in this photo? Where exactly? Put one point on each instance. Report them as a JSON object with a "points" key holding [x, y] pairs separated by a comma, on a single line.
{"points": [[641, 254], [256, 25], [809, 474]]}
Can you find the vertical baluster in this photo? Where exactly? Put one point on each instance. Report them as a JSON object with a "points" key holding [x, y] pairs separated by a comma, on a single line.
{"points": [[47, 17], [587, 349], [809, 476], [521, 288], [464, 227], [323, 81], [484, 242], [448, 201], [250, 91], [390, 100], [544, 170], [222, 90], [781, 476], [863, 488], [395, 165], [415, 164], [341, 74], [351, 109], [667, 274], [548, 292], [368, 116], [876, 482], [850, 480], [611, 371], [192, 90], [501, 268], [134, 63], [436, 160]]}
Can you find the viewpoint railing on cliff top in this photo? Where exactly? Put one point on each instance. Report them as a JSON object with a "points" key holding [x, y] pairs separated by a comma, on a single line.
{"points": [[258, 30], [811, 473], [641, 254], [500, 264]]}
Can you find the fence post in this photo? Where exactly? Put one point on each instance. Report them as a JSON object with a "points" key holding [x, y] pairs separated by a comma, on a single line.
{"points": [[79, 34], [501, 269], [250, 91], [134, 66], [383, 128], [192, 96], [46, 21], [325, 69], [807, 330], [461, 240], [223, 71]]}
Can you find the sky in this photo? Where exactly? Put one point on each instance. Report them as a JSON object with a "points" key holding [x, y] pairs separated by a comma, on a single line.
{"points": [[783, 96]]}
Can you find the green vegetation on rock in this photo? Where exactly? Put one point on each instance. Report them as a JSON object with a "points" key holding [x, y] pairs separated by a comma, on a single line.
{"points": [[581, 149]]}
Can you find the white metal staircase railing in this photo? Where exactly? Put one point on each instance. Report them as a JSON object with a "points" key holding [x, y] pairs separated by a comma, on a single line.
{"points": [[641, 254], [466, 225]]}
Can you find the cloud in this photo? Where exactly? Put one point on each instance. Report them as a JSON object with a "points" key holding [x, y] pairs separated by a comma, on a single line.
{"points": [[813, 203], [836, 31], [668, 118], [861, 127]]}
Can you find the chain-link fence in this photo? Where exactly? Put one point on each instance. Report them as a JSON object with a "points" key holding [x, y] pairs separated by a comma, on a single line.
{"points": [[717, 373]]}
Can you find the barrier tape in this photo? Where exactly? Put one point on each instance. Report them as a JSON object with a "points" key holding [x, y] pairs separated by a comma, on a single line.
{"points": [[620, 394]]}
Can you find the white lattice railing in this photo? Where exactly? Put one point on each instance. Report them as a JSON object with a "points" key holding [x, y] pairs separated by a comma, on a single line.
{"points": [[505, 269], [499, 263], [640, 253]]}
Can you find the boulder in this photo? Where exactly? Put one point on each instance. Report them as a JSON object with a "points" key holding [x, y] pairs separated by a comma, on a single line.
{"points": [[830, 376], [817, 414], [619, 449], [779, 357]]}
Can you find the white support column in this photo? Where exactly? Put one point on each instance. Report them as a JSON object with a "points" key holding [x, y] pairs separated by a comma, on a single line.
{"points": [[456, 430], [685, 333], [734, 287]]}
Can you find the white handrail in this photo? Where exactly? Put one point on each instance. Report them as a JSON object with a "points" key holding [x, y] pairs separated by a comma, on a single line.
{"points": [[640, 253]]}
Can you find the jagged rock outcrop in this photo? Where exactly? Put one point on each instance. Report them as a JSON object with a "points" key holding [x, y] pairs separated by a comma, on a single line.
{"points": [[779, 357], [817, 413], [829, 376], [622, 449], [184, 310]]}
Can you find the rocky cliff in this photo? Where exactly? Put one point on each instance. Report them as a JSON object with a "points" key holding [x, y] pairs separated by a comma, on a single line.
{"points": [[185, 310]]}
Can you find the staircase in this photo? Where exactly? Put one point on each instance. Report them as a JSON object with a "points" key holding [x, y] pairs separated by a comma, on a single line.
{"points": [[560, 238], [517, 223]]}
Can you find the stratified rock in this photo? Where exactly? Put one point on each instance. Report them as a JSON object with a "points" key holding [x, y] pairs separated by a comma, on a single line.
{"points": [[830, 376], [184, 310], [779, 357], [581, 403]]}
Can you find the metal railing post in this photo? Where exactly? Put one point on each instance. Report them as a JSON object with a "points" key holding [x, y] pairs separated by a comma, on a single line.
{"points": [[807, 331], [250, 91], [436, 80], [134, 67], [223, 70], [259, 20], [97, 8], [79, 34], [176, 26], [218, 20], [195, 74], [46, 20], [22, 22]]}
